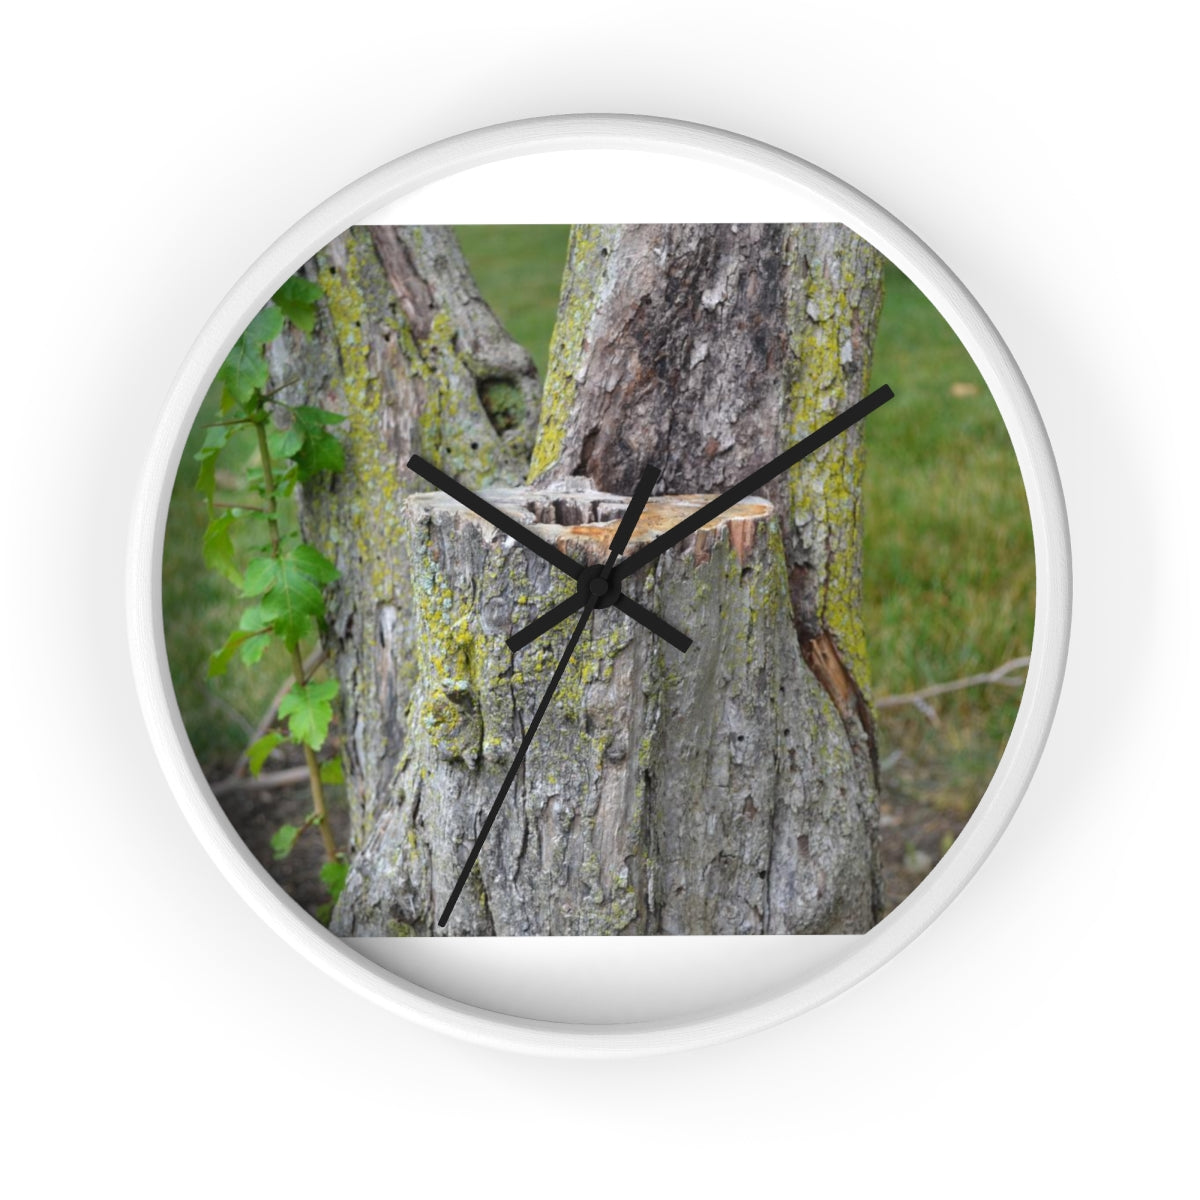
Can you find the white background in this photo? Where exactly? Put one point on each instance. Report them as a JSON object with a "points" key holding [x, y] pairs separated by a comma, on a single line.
{"points": [[1038, 1039]]}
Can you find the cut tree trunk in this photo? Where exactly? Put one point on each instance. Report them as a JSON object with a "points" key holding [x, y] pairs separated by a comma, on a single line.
{"points": [[407, 350], [706, 350], [706, 792], [731, 789]]}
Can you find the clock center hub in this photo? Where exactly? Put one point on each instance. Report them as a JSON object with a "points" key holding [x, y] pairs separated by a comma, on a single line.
{"points": [[591, 584]]}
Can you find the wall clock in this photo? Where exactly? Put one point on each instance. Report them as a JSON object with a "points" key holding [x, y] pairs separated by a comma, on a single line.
{"points": [[606, 636]]}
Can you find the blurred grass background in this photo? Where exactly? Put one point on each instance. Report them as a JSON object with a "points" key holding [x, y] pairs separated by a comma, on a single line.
{"points": [[948, 554]]}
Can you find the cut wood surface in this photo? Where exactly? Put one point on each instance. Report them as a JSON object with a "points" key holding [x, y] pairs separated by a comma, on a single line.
{"points": [[706, 792]]}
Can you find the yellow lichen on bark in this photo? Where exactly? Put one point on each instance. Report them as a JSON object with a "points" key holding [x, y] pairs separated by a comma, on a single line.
{"points": [[577, 306], [824, 364], [379, 490]]}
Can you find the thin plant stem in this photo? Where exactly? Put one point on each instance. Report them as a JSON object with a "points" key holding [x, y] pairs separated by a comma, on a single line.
{"points": [[310, 758]]}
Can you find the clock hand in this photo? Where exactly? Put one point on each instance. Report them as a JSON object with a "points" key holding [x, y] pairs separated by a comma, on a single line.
{"points": [[652, 621], [633, 514], [754, 482], [544, 623], [714, 508], [542, 548], [494, 516], [596, 590], [486, 828]]}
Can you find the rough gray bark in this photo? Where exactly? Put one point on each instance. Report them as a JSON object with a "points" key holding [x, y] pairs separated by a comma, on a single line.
{"points": [[701, 793], [728, 790], [405, 347], [706, 350]]}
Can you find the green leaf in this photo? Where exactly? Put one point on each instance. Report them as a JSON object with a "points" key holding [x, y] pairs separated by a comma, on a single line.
{"points": [[320, 452], [219, 661], [254, 647], [285, 483], [308, 711], [283, 839], [310, 419], [266, 327], [297, 299], [324, 913], [214, 441], [253, 621], [313, 563], [245, 370], [284, 443], [206, 479], [261, 575], [218, 548], [331, 771], [295, 598], [290, 588], [333, 876], [215, 438], [294, 628], [260, 751], [292, 605]]}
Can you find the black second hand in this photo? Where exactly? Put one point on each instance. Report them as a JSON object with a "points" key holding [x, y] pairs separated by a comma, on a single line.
{"points": [[489, 820]]}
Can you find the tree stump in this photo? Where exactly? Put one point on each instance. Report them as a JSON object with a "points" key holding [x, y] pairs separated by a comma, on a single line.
{"points": [[712, 792]]}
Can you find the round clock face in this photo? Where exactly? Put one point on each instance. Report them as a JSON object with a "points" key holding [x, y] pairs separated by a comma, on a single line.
{"points": [[526, 582]]}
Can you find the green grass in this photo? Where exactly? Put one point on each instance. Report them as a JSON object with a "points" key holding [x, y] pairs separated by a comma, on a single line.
{"points": [[948, 579], [948, 551], [948, 563]]}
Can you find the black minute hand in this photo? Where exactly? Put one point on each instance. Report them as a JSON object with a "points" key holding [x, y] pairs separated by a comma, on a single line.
{"points": [[713, 509], [755, 481]]}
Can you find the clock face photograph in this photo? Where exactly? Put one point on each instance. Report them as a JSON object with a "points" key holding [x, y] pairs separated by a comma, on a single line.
{"points": [[535, 580]]}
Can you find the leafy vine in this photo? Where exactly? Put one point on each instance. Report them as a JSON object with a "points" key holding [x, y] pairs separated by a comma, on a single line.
{"points": [[284, 579]]}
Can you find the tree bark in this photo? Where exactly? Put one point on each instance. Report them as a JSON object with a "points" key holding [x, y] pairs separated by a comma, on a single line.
{"points": [[731, 789], [643, 806], [706, 350], [408, 351]]}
